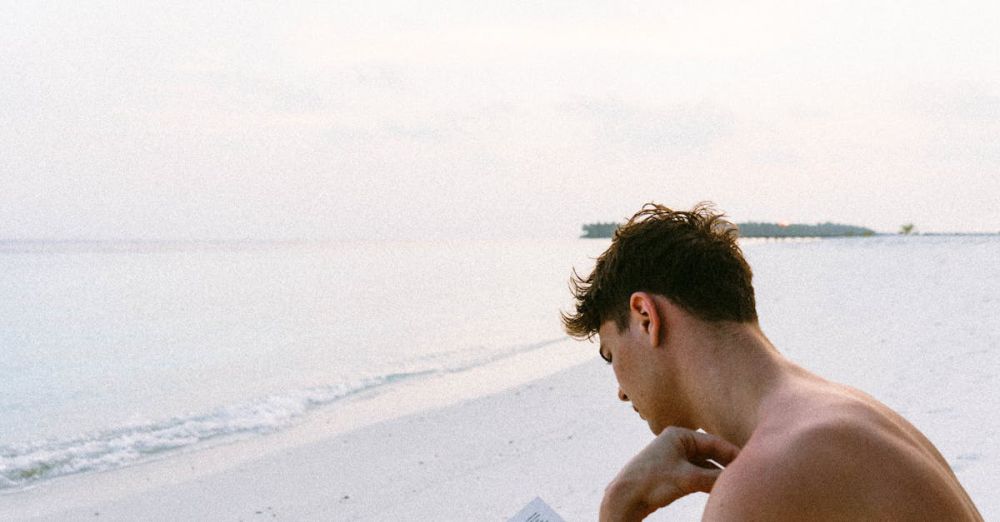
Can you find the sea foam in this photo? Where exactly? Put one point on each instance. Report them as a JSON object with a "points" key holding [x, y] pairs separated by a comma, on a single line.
{"points": [[24, 465]]}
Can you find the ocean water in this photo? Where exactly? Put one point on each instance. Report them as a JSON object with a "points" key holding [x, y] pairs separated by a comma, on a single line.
{"points": [[117, 352], [114, 353]]}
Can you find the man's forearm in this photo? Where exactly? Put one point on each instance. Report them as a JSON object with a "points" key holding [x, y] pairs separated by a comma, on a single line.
{"points": [[622, 504]]}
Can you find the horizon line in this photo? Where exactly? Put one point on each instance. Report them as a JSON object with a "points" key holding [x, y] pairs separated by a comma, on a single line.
{"points": [[336, 240]]}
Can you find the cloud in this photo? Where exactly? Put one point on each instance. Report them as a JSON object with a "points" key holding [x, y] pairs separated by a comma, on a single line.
{"points": [[677, 129]]}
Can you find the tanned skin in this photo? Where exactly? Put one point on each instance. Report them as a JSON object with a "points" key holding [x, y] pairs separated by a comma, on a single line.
{"points": [[794, 445]]}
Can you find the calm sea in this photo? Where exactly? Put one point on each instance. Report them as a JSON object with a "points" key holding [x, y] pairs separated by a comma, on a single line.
{"points": [[111, 353]]}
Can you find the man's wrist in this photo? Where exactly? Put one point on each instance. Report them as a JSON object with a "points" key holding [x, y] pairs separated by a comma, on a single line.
{"points": [[622, 502]]}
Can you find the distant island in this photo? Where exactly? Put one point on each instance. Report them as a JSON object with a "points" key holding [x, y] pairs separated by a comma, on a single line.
{"points": [[755, 229]]}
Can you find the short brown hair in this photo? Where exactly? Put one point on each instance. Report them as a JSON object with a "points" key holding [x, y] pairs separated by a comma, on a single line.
{"points": [[690, 258]]}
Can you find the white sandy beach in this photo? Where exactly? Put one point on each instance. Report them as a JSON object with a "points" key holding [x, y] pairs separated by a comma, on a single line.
{"points": [[561, 437]]}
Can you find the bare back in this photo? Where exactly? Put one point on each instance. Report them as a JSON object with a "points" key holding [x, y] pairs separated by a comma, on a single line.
{"points": [[824, 451]]}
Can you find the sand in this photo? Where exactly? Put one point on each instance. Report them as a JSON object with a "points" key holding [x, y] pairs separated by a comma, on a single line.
{"points": [[560, 437]]}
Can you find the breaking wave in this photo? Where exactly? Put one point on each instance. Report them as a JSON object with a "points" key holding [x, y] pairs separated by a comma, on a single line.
{"points": [[23, 465]]}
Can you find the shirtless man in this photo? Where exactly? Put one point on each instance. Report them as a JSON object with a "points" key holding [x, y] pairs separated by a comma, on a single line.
{"points": [[672, 302]]}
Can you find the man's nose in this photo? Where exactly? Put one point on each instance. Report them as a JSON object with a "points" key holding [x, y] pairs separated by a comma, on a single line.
{"points": [[621, 395]]}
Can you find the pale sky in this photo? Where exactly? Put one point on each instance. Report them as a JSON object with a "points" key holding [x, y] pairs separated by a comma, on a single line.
{"points": [[412, 120]]}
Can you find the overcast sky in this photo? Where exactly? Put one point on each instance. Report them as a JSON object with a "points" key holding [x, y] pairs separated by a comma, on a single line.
{"points": [[492, 119]]}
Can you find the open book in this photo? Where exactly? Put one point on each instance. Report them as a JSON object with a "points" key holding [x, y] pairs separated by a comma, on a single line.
{"points": [[536, 511]]}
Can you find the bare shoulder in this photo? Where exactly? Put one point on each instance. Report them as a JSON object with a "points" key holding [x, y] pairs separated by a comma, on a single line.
{"points": [[800, 474], [847, 463]]}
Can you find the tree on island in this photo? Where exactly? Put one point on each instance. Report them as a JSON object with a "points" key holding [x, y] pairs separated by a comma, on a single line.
{"points": [[599, 229], [906, 229], [755, 229]]}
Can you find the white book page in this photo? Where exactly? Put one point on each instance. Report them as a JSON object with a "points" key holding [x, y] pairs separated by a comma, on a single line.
{"points": [[536, 511]]}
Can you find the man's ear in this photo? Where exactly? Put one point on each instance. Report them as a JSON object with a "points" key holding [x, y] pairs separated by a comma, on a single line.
{"points": [[645, 315]]}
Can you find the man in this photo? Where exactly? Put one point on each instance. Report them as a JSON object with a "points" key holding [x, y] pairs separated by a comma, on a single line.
{"points": [[673, 304]]}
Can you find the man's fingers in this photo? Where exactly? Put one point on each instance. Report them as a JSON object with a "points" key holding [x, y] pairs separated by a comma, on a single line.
{"points": [[701, 479], [706, 463], [708, 446], [685, 479]]}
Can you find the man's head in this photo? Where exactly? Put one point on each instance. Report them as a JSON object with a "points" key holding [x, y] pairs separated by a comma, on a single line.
{"points": [[664, 271], [689, 257]]}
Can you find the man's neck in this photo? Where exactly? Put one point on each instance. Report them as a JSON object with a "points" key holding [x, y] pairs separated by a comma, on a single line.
{"points": [[732, 373]]}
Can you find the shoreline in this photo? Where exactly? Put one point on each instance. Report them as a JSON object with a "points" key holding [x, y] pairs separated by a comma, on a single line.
{"points": [[425, 453], [561, 437], [149, 489], [137, 443]]}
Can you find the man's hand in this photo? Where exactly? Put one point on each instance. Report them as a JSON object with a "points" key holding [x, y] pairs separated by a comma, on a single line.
{"points": [[675, 464]]}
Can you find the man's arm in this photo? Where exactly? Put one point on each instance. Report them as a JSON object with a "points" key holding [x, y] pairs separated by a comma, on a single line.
{"points": [[783, 488], [675, 464], [837, 473]]}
